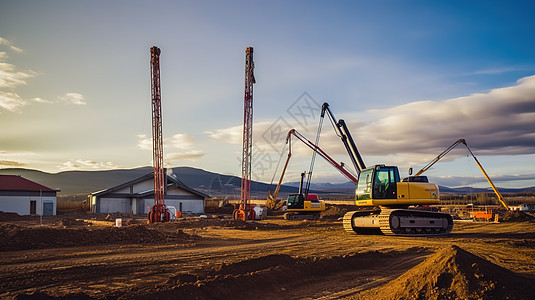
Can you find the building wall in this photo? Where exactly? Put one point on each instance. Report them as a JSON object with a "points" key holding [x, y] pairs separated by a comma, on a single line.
{"points": [[20, 204], [121, 201], [137, 188], [114, 205], [191, 205]]}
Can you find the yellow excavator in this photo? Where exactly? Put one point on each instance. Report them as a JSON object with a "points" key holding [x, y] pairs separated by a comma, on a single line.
{"points": [[386, 199]]}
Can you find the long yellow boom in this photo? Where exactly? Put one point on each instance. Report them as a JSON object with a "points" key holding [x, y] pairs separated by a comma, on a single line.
{"points": [[463, 141]]}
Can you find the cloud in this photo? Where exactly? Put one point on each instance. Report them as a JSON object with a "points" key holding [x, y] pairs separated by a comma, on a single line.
{"points": [[500, 122], [40, 100], [144, 143], [11, 101], [11, 163], [73, 98], [232, 135], [8, 43], [10, 78], [501, 70], [266, 135], [178, 141], [188, 155], [80, 164]]}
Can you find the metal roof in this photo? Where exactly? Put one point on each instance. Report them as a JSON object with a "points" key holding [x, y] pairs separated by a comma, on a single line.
{"points": [[18, 183]]}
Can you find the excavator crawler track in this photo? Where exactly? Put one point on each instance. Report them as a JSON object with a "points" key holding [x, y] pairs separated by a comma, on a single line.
{"points": [[349, 225], [413, 222], [401, 222]]}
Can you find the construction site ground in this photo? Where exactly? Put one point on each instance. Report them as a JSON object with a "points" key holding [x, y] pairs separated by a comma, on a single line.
{"points": [[86, 257]]}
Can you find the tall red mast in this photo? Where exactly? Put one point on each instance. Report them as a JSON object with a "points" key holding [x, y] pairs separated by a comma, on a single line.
{"points": [[159, 211], [245, 211]]}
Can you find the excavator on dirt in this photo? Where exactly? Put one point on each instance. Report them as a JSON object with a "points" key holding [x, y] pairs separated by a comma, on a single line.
{"points": [[386, 199], [303, 205], [272, 201]]}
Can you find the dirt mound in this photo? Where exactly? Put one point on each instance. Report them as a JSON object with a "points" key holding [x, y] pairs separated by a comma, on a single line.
{"points": [[72, 222], [9, 216], [517, 216], [14, 237], [228, 223], [268, 277], [238, 224], [453, 273], [334, 212]]}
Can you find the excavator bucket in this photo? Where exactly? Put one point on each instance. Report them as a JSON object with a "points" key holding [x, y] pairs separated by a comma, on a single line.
{"points": [[273, 203]]}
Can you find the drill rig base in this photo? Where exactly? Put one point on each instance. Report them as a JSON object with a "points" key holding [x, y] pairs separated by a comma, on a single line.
{"points": [[244, 214]]}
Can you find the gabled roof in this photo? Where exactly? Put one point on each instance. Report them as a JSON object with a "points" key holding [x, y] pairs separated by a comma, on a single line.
{"points": [[18, 183], [171, 180]]}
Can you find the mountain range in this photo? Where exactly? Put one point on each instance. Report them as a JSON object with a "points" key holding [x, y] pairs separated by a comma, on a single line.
{"points": [[214, 184]]}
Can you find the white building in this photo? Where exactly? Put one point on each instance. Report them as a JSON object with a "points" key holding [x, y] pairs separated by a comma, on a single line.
{"points": [[523, 207], [25, 197], [137, 197]]}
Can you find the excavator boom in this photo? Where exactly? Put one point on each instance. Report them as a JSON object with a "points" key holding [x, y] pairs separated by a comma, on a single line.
{"points": [[463, 141], [272, 201], [343, 132]]}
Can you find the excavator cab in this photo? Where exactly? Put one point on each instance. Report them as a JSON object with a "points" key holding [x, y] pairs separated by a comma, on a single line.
{"points": [[379, 182], [381, 185]]}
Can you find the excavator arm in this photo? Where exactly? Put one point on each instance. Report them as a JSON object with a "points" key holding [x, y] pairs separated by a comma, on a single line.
{"points": [[343, 132], [272, 201], [463, 141]]}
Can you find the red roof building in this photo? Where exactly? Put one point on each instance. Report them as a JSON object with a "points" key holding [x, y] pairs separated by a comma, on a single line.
{"points": [[18, 183], [25, 197]]}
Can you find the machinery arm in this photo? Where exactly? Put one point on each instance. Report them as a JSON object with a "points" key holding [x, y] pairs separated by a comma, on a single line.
{"points": [[322, 153], [500, 197], [272, 201], [344, 134], [273, 196], [431, 163], [462, 141]]}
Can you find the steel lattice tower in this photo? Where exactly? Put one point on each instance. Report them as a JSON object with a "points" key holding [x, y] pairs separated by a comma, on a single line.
{"points": [[159, 209], [247, 130]]}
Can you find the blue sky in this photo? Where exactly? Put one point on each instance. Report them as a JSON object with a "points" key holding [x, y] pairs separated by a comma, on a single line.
{"points": [[409, 77]]}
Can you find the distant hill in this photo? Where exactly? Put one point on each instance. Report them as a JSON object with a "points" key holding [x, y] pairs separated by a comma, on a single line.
{"points": [[80, 182], [471, 190], [214, 184]]}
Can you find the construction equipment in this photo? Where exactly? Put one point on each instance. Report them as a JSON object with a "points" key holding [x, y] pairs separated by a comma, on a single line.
{"points": [[159, 212], [303, 205], [272, 201], [343, 132], [381, 186], [436, 159], [245, 211]]}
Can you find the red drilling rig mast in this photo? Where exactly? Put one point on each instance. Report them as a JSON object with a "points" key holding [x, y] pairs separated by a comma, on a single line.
{"points": [[159, 211], [245, 211]]}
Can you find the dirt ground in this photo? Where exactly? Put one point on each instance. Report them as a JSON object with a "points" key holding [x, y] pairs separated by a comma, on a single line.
{"points": [[86, 257]]}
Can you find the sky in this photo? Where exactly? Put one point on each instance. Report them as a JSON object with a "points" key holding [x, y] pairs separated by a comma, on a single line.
{"points": [[409, 78]]}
